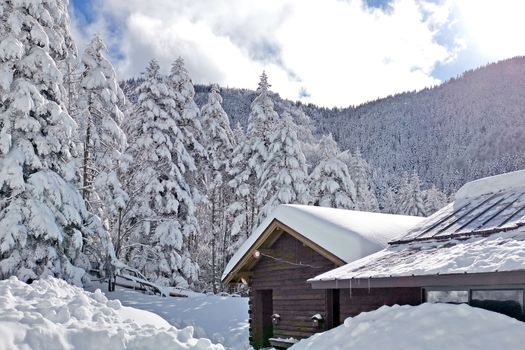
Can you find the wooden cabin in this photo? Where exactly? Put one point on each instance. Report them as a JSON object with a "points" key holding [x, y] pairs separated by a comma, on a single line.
{"points": [[472, 251], [297, 243]]}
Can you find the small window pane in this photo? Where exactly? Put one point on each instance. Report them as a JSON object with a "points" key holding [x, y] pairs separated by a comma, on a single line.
{"points": [[447, 296], [508, 302]]}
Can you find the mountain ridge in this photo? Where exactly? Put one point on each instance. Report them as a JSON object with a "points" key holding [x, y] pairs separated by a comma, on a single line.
{"points": [[468, 127]]}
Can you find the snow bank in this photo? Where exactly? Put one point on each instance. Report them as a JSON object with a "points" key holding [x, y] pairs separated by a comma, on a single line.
{"points": [[504, 251], [223, 320], [51, 314], [347, 234], [427, 326], [492, 184]]}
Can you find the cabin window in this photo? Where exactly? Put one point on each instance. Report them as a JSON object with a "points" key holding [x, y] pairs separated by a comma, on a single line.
{"points": [[447, 296], [504, 301]]}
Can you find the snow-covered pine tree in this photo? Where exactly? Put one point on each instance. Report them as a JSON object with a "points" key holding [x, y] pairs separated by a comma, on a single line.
{"points": [[389, 202], [410, 197], [305, 134], [284, 179], [330, 181], [361, 175], [99, 100], [189, 118], [248, 161], [219, 143], [161, 214], [66, 56], [434, 200], [43, 217]]}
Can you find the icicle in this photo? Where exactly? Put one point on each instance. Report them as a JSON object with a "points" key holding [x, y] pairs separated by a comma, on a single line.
{"points": [[350, 288], [368, 285], [336, 283]]}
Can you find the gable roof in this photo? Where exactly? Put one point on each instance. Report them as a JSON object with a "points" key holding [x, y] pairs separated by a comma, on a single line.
{"points": [[345, 234], [481, 231]]}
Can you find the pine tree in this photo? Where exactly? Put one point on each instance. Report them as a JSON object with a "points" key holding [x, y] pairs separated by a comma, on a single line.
{"points": [[161, 217], [188, 116], [99, 101], [188, 120], [43, 218], [305, 134], [219, 146], [284, 178], [410, 197], [248, 161], [330, 181], [389, 202], [361, 174], [434, 200]]}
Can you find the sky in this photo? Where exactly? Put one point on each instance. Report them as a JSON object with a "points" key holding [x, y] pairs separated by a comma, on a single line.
{"points": [[333, 53]]}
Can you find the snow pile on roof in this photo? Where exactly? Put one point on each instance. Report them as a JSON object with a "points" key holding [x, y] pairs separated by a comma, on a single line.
{"points": [[427, 326], [347, 234], [492, 184], [51, 314], [222, 319], [503, 251]]}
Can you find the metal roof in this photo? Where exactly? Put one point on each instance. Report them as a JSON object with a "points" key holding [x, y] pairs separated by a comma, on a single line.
{"points": [[482, 215]]}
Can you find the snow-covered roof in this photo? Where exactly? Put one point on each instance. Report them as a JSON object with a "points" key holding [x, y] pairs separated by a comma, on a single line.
{"points": [[502, 251], [481, 231], [347, 234], [504, 182]]}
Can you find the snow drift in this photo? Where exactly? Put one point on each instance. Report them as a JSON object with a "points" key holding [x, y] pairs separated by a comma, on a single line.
{"points": [[427, 326], [51, 314]]}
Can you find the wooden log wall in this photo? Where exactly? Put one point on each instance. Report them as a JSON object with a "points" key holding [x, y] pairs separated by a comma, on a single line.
{"points": [[293, 298], [363, 300]]}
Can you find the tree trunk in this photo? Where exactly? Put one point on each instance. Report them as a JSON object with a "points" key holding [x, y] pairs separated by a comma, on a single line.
{"points": [[213, 244]]}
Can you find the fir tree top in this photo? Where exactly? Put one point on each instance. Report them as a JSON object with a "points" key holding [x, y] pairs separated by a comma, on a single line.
{"points": [[263, 86]]}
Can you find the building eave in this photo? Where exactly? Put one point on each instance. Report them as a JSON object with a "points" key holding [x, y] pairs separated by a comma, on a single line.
{"points": [[439, 280]]}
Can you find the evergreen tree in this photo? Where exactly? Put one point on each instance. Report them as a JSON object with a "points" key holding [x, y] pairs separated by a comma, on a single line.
{"points": [[389, 201], [330, 181], [248, 161], [188, 114], [361, 174], [219, 146], [43, 218], [162, 213], [284, 178], [410, 197], [305, 135], [434, 200], [188, 119], [99, 101]]}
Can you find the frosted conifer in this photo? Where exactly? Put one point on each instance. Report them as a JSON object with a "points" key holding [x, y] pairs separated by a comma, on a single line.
{"points": [[42, 215], [219, 146], [410, 197], [248, 161], [330, 181], [162, 214], [284, 178]]}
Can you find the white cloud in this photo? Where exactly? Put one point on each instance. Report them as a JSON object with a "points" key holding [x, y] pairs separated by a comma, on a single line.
{"points": [[340, 52], [492, 28]]}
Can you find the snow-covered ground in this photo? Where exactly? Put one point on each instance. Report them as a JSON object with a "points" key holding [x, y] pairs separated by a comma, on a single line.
{"points": [[223, 320], [427, 326], [53, 315]]}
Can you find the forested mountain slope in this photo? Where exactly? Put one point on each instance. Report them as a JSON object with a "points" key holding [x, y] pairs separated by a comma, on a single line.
{"points": [[469, 127]]}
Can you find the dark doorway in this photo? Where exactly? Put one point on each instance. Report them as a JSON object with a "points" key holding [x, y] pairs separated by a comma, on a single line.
{"points": [[333, 308], [264, 315]]}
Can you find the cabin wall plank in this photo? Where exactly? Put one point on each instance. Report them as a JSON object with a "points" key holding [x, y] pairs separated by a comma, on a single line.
{"points": [[293, 298]]}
